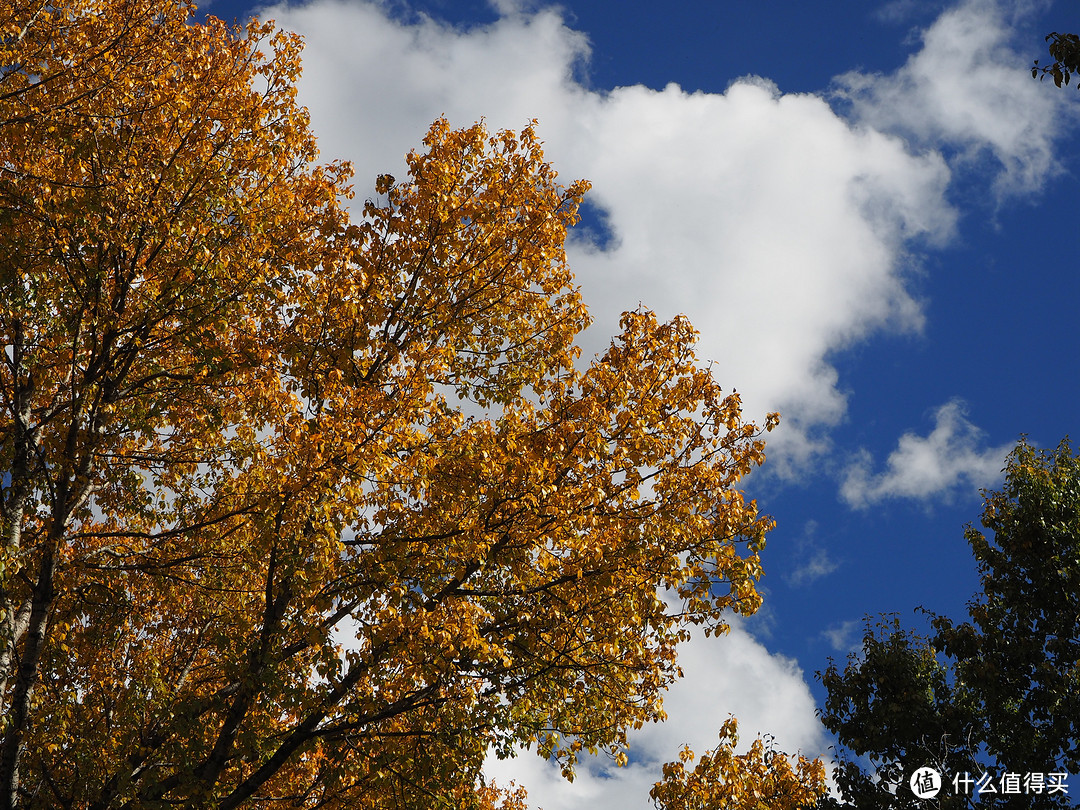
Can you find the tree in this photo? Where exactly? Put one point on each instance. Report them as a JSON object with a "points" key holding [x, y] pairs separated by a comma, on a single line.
{"points": [[895, 706], [1065, 50], [760, 779], [997, 694], [301, 511]]}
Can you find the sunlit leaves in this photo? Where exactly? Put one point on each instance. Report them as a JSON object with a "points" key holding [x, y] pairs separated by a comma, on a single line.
{"points": [[761, 779], [308, 511]]}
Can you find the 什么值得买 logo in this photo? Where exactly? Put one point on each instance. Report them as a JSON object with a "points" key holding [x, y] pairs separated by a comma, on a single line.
{"points": [[926, 783]]}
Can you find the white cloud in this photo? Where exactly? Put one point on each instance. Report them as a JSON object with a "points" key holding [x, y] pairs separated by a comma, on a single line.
{"points": [[818, 565], [812, 561], [730, 675], [769, 221], [845, 637], [373, 84], [779, 228], [951, 458], [969, 89]]}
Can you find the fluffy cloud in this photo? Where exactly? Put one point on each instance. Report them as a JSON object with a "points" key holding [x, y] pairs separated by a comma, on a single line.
{"points": [[949, 459], [779, 248], [777, 226], [730, 675], [374, 83], [965, 88], [783, 229]]}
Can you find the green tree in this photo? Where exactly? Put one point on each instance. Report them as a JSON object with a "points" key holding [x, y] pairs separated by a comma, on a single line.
{"points": [[1065, 50], [894, 707], [999, 693]]}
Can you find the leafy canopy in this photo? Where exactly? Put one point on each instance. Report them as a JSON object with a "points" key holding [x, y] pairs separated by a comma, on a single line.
{"points": [[311, 512], [997, 694]]}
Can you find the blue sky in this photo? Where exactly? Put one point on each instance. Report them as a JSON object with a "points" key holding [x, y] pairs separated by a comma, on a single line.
{"points": [[867, 210]]}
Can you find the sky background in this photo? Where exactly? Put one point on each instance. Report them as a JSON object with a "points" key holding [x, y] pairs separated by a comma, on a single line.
{"points": [[868, 210]]}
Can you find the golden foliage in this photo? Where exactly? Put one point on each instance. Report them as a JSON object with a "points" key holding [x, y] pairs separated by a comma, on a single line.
{"points": [[760, 779], [300, 511]]}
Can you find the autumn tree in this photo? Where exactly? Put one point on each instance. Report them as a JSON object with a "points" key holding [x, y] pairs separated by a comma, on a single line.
{"points": [[306, 511], [761, 779], [996, 694]]}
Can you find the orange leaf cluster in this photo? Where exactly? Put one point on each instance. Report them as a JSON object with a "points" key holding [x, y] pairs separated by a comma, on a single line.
{"points": [[760, 779]]}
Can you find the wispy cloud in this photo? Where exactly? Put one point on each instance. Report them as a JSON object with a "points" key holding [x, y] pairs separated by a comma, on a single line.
{"points": [[845, 637], [952, 458], [902, 11], [966, 89], [819, 564], [812, 561]]}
